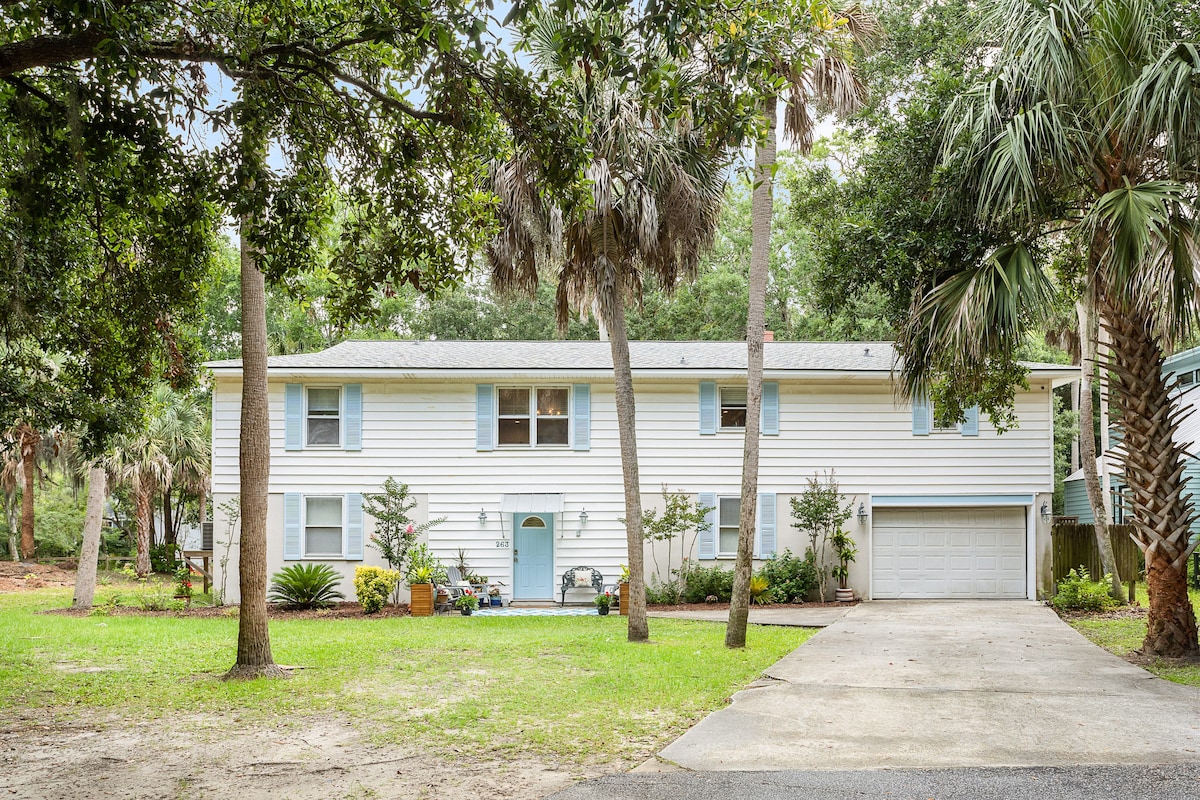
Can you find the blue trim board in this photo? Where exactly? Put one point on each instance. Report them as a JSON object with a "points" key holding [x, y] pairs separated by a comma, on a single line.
{"points": [[952, 500]]}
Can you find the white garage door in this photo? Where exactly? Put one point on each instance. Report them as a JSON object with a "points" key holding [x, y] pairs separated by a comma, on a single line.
{"points": [[949, 552]]}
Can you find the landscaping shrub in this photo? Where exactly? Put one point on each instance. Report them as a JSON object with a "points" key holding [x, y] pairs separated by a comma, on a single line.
{"points": [[1078, 592], [791, 579], [760, 591], [163, 559], [372, 585], [705, 581], [663, 594], [305, 586]]}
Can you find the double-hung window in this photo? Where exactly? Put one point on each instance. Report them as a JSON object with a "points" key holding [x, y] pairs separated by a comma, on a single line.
{"points": [[733, 408], [323, 417], [533, 416], [324, 527], [729, 513]]}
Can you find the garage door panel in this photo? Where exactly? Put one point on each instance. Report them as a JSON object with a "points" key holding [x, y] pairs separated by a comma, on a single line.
{"points": [[949, 552]]}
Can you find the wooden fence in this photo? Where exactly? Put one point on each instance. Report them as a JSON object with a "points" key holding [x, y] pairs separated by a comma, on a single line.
{"points": [[1074, 545]]}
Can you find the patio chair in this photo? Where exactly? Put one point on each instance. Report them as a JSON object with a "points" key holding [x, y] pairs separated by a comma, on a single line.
{"points": [[455, 584]]}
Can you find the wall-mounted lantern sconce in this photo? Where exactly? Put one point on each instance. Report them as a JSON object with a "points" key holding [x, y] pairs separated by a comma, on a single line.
{"points": [[583, 517], [482, 517], [1045, 512], [862, 514]]}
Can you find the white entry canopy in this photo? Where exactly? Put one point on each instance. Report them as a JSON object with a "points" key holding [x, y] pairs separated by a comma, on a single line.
{"points": [[531, 504]]}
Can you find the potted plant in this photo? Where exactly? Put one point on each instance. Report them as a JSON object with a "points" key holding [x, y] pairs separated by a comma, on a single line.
{"points": [[466, 603], [420, 587], [494, 596], [845, 551], [603, 601], [623, 591]]}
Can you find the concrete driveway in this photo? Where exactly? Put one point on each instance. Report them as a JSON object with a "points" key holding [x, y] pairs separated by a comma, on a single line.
{"points": [[947, 684]]}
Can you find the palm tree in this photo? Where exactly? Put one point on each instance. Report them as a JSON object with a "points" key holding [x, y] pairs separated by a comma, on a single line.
{"points": [[653, 191], [27, 450], [813, 55], [180, 427], [1087, 129], [138, 460]]}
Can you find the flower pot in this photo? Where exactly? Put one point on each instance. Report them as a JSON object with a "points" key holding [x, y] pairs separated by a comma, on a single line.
{"points": [[421, 604], [623, 594], [495, 601], [466, 612], [844, 595], [602, 610]]}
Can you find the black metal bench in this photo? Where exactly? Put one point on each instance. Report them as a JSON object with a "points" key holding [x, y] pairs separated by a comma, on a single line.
{"points": [[570, 581]]}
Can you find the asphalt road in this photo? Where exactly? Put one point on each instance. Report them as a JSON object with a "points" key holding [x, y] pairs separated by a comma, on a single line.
{"points": [[1168, 782]]}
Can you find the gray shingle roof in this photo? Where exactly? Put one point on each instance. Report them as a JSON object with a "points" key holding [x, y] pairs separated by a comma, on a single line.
{"points": [[585, 355], [589, 355]]}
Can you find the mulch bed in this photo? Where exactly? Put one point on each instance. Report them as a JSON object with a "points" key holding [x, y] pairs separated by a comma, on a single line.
{"points": [[18, 576], [725, 606], [337, 611]]}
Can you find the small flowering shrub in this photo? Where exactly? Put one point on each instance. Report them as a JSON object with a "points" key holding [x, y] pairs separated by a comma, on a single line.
{"points": [[372, 585], [603, 600], [467, 600]]}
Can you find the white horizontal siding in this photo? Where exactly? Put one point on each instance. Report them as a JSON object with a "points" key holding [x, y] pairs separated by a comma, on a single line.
{"points": [[424, 434]]}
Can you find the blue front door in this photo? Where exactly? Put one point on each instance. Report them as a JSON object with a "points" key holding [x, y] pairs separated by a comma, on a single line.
{"points": [[533, 556]]}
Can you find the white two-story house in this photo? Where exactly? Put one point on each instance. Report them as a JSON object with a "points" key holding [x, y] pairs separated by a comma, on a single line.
{"points": [[515, 445]]}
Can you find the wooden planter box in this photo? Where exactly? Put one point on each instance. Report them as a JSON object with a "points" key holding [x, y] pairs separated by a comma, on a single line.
{"points": [[624, 593], [421, 602]]}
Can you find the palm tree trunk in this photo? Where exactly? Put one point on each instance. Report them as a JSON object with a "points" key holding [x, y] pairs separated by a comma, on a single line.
{"points": [[29, 438], [254, 643], [1087, 445], [614, 309], [141, 492], [89, 552], [761, 207], [1154, 465]]}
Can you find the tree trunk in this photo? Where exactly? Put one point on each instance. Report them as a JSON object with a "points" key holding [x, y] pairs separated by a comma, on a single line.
{"points": [[614, 310], [142, 491], [761, 208], [89, 552], [168, 527], [254, 641], [1154, 464], [29, 439], [1087, 445]]}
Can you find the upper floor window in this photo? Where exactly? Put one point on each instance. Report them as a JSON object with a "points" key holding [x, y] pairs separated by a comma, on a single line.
{"points": [[533, 415], [733, 408], [324, 417]]}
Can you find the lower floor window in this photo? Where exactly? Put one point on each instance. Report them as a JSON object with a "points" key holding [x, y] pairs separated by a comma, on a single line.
{"points": [[729, 512], [323, 526]]}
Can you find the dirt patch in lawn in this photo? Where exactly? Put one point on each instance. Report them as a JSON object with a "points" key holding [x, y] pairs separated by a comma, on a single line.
{"points": [[20, 577], [220, 756]]}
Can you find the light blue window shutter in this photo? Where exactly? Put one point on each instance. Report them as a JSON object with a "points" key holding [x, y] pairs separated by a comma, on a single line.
{"points": [[291, 526], [970, 426], [766, 525], [770, 408], [293, 416], [708, 407], [354, 406], [354, 527], [707, 541], [583, 416], [922, 416], [485, 416]]}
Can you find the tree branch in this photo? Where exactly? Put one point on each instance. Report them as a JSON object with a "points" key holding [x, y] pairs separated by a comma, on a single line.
{"points": [[48, 51]]}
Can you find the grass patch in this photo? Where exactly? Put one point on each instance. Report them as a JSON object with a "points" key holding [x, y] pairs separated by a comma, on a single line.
{"points": [[565, 685], [1122, 634]]}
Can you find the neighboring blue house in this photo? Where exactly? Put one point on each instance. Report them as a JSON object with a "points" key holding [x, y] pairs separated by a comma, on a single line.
{"points": [[1185, 366]]}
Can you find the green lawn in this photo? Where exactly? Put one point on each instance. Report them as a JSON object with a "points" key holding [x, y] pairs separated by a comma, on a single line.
{"points": [[565, 685], [1123, 635]]}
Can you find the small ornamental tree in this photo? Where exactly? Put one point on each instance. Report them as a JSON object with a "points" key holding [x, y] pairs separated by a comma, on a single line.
{"points": [[679, 516], [395, 532], [820, 512]]}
